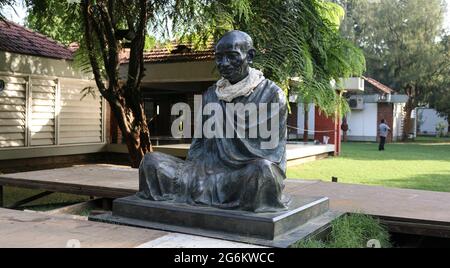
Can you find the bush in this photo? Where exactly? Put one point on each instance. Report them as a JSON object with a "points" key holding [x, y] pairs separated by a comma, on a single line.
{"points": [[351, 231]]}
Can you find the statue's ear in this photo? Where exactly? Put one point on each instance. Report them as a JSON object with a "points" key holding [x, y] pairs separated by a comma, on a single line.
{"points": [[251, 54]]}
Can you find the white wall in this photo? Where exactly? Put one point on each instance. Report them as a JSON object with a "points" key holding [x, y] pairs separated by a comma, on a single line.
{"points": [[363, 123], [14, 63], [42, 112], [427, 121]]}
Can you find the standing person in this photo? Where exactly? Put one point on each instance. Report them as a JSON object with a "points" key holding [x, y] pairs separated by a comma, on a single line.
{"points": [[384, 131]]}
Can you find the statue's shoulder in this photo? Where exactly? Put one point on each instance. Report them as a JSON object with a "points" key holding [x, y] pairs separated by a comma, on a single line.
{"points": [[209, 95], [271, 88]]}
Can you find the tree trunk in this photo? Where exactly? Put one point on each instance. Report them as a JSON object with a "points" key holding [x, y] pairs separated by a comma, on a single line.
{"points": [[306, 122], [133, 125], [124, 97], [409, 107]]}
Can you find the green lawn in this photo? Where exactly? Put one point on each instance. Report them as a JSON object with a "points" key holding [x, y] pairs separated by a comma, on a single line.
{"points": [[423, 164]]}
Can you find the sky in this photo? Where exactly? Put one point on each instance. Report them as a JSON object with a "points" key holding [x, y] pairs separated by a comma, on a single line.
{"points": [[21, 13]]}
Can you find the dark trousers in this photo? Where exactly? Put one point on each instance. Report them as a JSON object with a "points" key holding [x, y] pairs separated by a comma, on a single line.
{"points": [[382, 143]]}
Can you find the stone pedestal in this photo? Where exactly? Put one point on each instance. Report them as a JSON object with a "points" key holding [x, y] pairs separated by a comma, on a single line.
{"points": [[305, 216]]}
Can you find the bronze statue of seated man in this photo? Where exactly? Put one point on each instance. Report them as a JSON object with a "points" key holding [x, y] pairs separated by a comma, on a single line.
{"points": [[229, 173]]}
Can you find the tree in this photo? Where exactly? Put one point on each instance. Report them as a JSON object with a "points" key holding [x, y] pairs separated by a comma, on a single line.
{"points": [[440, 96], [296, 38], [400, 40], [59, 20]]}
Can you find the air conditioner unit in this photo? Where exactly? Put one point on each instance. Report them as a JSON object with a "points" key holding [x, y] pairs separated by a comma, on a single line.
{"points": [[356, 102]]}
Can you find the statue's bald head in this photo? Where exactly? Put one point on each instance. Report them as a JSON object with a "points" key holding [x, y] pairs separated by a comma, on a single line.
{"points": [[238, 39], [234, 53]]}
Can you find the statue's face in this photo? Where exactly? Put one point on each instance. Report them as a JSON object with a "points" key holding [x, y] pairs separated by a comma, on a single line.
{"points": [[232, 60]]}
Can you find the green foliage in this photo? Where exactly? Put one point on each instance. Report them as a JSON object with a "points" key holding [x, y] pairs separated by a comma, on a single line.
{"points": [[295, 39], [401, 42], [352, 231], [60, 20]]}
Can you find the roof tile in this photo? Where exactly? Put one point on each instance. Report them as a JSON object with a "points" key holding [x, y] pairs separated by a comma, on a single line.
{"points": [[18, 39]]}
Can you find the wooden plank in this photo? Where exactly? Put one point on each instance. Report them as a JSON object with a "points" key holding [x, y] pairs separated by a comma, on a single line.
{"points": [[11, 129], [42, 82], [15, 87], [77, 134], [42, 122], [12, 115], [12, 108], [64, 115], [13, 79], [94, 127], [42, 89], [12, 101], [108, 181], [43, 109], [40, 142], [43, 102], [80, 140], [44, 96], [11, 136], [86, 110], [35, 129], [12, 122], [42, 135], [77, 122], [12, 94], [11, 143], [48, 115]]}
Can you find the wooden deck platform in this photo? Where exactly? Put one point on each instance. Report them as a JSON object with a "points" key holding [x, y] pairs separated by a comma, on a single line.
{"points": [[296, 153], [430, 211]]}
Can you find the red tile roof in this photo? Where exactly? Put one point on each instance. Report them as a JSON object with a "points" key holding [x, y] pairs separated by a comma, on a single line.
{"points": [[18, 39], [176, 53], [379, 85]]}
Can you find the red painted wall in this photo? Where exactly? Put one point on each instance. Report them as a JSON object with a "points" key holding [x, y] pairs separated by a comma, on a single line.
{"points": [[332, 128], [386, 111]]}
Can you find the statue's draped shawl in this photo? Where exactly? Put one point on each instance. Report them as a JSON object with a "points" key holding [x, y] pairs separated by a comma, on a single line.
{"points": [[222, 172]]}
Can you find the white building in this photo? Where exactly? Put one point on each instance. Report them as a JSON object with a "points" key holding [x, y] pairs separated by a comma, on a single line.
{"points": [[370, 102], [427, 121]]}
